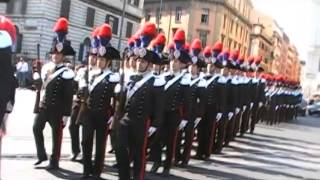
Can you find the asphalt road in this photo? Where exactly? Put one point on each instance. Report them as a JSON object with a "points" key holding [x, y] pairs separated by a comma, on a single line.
{"points": [[286, 151]]}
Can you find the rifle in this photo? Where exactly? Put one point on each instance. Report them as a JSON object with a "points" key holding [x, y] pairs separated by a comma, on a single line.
{"points": [[84, 94], [37, 82], [121, 99]]}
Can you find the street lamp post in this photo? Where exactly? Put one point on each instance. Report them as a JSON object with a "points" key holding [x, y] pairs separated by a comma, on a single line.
{"points": [[121, 24], [159, 16]]}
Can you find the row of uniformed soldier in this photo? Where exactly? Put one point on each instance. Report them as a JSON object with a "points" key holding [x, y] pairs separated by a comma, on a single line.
{"points": [[158, 100]]}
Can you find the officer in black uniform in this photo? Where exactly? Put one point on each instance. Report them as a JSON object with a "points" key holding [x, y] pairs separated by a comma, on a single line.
{"points": [[55, 107], [195, 95], [7, 80], [99, 109], [139, 108], [174, 92], [222, 106], [81, 94], [206, 129]]}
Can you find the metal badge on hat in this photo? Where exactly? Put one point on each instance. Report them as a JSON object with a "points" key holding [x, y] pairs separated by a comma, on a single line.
{"points": [[94, 50], [142, 52], [176, 54], [214, 60], [59, 47], [102, 51], [194, 59]]}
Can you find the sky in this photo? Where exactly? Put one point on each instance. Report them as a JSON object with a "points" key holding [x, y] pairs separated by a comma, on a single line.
{"points": [[298, 18]]}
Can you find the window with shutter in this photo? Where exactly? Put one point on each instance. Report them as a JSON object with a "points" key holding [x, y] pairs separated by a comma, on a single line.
{"points": [[90, 17], [129, 29], [16, 7], [65, 8], [113, 22]]}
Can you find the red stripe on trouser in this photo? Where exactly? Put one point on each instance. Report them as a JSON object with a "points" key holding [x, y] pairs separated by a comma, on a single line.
{"points": [[60, 133], [144, 150], [211, 138], [190, 146], [174, 145], [104, 147]]}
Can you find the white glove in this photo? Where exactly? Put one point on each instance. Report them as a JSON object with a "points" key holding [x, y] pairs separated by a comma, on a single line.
{"points": [[182, 124], [151, 130], [196, 122], [277, 107], [237, 110], [251, 105], [110, 120], [260, 104], [219, 116], [244, 107], [65, 120], [230, 115]]}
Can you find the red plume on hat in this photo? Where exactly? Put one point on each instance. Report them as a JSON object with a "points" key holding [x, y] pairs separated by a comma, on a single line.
{"points": [[105, 31], [160, 39], [250, 59], [258, 59], [171, 46], [207, 51], [149, 29], [95, 32], [180, 35], [235, 55], [61, 25], [7, 25], [131, 41], [218, 46], [196, 44]]}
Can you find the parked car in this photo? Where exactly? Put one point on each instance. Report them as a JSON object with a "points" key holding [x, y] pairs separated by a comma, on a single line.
{"points": [[314, 108]]}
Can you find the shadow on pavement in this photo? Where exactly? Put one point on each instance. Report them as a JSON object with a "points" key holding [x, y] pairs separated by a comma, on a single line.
{"points": [[257, 169], [270, 147], [65, 174], [215, 174]]}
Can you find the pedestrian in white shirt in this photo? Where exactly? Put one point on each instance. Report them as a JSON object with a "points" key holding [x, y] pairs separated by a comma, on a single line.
{"points": [[22, 71]]}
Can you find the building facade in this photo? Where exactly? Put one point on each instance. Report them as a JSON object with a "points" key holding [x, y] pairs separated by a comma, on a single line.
{"points": [[34, 20], [209, 20]]}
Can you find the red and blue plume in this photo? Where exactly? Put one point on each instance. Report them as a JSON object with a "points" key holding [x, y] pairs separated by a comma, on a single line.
{"points": [[250, 59], [186, 47], [241, 59], [95, 41], [226, 55], [105, 34], [61, 28], [207, 52], [258, 60], [131, 42], [148, 32], [159, 43], [196, 47], [217, 49], [235, 55], [171, 47], [7, 25], [179, 39]]}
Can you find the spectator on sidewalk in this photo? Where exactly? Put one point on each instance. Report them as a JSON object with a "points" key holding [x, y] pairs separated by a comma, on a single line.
{"points": [[22, 72]]}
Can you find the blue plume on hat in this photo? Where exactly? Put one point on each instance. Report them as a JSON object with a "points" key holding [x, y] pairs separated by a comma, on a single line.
{"points": [[145, 41], [95, 42], [179, 45]]}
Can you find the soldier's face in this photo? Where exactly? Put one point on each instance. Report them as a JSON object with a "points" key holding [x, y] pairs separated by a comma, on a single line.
{"points": [[193, 69], [175, 65], [92, 60], [156, 67], [132, 63], [57, 58], [102, 62], [142, 65]]}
